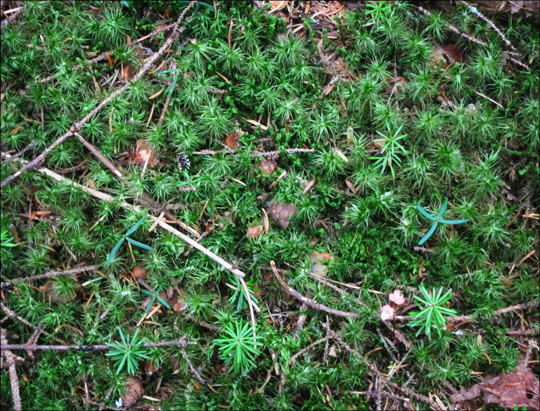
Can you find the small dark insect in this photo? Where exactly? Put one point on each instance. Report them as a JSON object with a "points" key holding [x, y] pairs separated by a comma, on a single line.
{"points": [[183, 162], [6, 286]]}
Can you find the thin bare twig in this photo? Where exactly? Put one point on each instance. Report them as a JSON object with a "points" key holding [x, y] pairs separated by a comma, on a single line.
{"points": [[307, 301], [154, 33], [110, 199], [191, 367], [523, 306], [20, 153], [180, 343], [167, 101], [474, 10], [303, 350], [52, 274], [11, 360], [100, 156], [10, 313]]}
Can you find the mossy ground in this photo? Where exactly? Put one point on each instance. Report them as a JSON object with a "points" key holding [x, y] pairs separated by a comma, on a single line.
{"points": [[481, 155]]}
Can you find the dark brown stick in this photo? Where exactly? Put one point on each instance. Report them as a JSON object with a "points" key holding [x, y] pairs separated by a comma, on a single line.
{"points": [[307, 301], [167, 101]]}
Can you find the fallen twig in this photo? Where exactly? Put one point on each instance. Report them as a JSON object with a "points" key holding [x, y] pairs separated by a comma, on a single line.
{"points": [[110, 199], [11, 360], [52, 274], [307, 301], [303, 350], [474, 10], [180, 343], [191, 367]]}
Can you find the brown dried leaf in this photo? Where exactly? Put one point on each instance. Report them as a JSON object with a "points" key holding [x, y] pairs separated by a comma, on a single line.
{"points": [[268, 166], [517, 388], [127, 72], [138, 272], [231, 140], [253, 232], [452, 53], [143, 152], [150, 368], [134, 391], [281, 213]]}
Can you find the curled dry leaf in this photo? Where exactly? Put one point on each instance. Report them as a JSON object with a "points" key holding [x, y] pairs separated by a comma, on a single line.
{"points": [[449, 54], [150, 368], [268, 166], [281, 213], [253, 232], [127, 72], [452, 54], [515, 389], [231, 140], [138, 272], [134, 391], [144, 152]]}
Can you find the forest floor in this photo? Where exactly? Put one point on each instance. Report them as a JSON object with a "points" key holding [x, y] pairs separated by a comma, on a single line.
{"points": [[286, 204]]}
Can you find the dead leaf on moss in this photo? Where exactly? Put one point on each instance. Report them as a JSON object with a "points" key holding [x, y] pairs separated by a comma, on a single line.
{"points": [[138, 272], [517, 388], [134, 391], [253, 232], [268, 166], [145, 152], [150, 368], [281, 213], [127, 72], [446, 55], [231, 140]]}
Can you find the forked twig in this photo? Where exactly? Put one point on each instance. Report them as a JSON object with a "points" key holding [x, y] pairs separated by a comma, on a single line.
{"points": [[307, 301], [191, 367]]}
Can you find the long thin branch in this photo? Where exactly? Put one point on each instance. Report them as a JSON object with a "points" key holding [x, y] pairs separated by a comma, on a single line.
{"points": [[307, 301], [488, 21], [77, 126], [505, 310], [52, 274], [180, 343], [10, 360]]}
